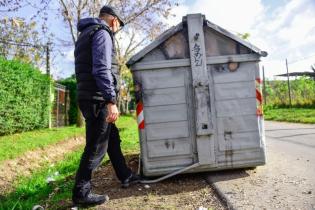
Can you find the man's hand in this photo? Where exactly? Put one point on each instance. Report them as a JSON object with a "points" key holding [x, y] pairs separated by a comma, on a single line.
{"points": [[112, 114]]}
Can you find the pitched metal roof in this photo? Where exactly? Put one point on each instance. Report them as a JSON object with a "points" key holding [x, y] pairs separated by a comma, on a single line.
{"points": [[160, 39], [173, 30], [236, 38]]}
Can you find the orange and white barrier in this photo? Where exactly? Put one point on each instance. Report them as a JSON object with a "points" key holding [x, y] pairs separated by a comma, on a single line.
{"points": [[259, 98], [140, 117]]}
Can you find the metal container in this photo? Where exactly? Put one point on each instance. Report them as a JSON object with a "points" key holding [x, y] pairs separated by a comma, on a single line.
{"points": [[199, 100]]}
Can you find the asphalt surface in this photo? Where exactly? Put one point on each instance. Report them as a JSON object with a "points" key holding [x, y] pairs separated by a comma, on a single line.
{"points": [[287, 181]]}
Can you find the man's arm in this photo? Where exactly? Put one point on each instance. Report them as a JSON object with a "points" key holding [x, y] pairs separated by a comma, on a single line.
{"points": [[102, 57]]}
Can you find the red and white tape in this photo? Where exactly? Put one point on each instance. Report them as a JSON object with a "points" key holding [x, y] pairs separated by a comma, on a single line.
{"points": [[259, 98], [140, 117]]}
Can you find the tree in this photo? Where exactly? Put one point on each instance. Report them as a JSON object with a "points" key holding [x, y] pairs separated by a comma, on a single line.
{"points": [[143, 18], [140, 15], [10, 5], [244, 36], [17, 40], [143, 24]]}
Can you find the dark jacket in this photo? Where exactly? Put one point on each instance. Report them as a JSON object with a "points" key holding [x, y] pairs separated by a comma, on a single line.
{"points": [[95, 62]]}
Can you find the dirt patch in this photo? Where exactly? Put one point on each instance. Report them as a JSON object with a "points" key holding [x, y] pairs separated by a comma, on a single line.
{"points": [[188, 191], [32, 160]]}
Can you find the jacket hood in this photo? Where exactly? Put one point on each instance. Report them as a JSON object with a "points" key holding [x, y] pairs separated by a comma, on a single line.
{"points": [[87, 22]]}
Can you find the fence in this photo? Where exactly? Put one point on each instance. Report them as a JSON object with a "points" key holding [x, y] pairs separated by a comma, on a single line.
{"points": [[61, 106]]}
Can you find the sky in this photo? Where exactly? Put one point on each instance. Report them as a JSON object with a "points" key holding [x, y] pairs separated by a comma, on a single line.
{"points": [[283, 28]]}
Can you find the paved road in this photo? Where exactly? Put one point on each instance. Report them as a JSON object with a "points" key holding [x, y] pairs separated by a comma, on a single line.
{"points": [[287, 181]]}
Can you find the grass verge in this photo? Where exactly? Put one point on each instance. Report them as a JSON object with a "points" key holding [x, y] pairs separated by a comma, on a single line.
{"points": [[35, 189], [12, 146], [296, 115]]}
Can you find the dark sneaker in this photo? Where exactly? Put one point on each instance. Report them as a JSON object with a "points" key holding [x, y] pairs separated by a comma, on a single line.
{"points": [[132, 179], [90, 200]]}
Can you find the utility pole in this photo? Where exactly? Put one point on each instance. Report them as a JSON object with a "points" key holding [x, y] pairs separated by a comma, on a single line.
{"points": [[66, 106], [289, 87], [49, 89], [264, 87], [48, 59]]}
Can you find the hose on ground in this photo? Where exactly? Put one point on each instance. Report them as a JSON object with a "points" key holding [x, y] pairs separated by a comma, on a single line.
{"points": [[170, 175]]}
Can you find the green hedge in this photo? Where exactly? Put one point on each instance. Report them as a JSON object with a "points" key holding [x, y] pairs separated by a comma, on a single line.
{"points": [[71, 85], [24, 102], [302, 93]]}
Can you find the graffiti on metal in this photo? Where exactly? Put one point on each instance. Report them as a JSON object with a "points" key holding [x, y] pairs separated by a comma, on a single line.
{"points": [[197, 55]]}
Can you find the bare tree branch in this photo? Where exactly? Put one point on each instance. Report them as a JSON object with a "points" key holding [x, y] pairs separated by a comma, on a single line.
{"points": [[133, 35], [130, 52], [74, 4], [66, 15], [134, 16]]}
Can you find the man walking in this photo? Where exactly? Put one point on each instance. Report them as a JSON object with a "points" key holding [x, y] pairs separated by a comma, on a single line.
{"points": [[97, 88]]}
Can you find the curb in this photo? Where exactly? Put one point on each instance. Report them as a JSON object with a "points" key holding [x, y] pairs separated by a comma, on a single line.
{"points": [[220, 194]]}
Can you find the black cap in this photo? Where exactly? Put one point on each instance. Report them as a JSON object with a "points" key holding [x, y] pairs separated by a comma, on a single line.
{"points": [[112, 11]]}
